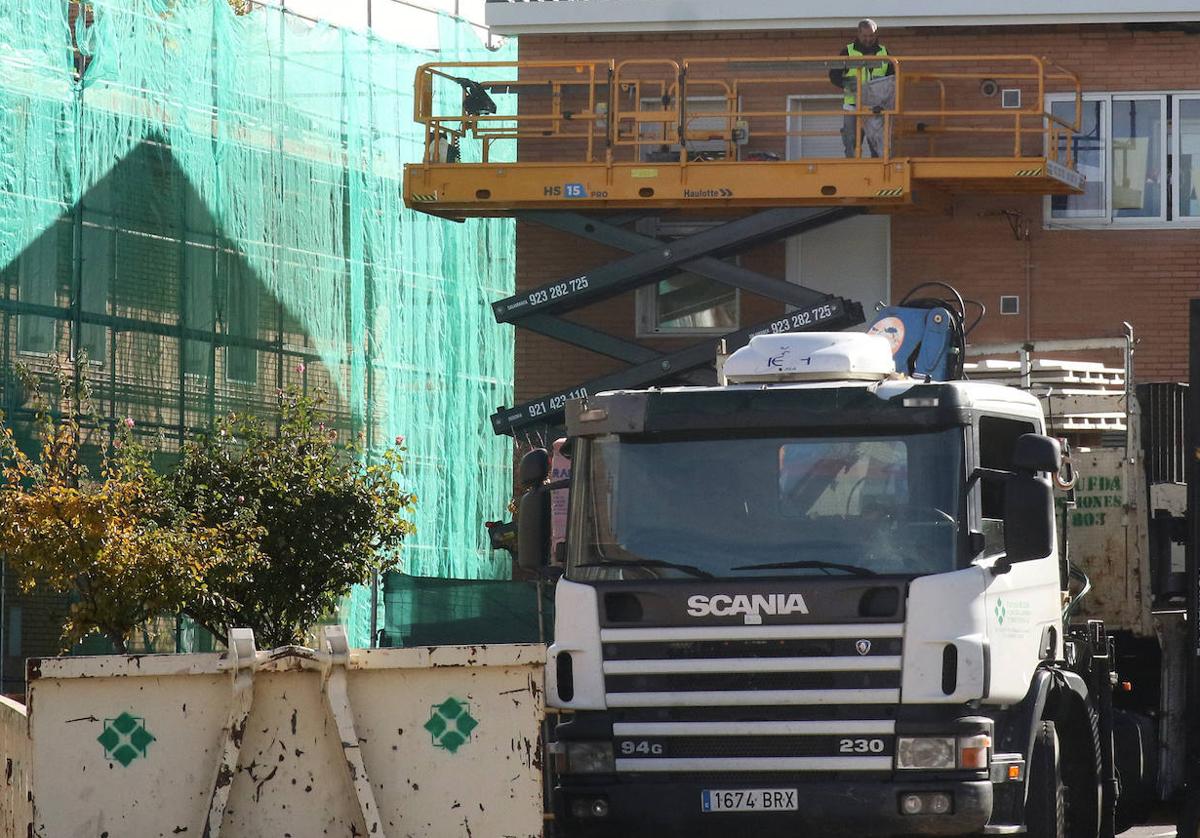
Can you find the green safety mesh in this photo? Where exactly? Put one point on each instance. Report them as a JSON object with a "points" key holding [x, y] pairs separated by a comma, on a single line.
{"points": [[437, 612], [210, 205]]}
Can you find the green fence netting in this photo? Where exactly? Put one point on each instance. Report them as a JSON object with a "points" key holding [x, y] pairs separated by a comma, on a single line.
{"points": [[210, 205], [436, 612]]}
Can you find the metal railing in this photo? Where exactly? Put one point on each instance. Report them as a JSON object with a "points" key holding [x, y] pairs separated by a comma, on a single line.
{"points": [[697, 109]]}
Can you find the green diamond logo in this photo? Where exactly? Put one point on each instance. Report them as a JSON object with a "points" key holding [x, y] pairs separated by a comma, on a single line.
{"points": [[124, 739], [451, 741], [1001, 611], [450, 724], [110, 739], [436, 725], [449, 709], [124, 755], [466, 724]]}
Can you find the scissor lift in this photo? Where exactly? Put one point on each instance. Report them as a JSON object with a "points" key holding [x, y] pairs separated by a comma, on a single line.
{"points": [[602, 144]]}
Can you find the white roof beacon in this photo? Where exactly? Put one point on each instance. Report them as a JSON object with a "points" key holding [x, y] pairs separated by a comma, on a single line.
{"points": [[811, 356]]}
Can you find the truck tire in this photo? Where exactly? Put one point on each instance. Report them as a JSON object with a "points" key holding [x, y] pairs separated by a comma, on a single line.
{"points": [[1189, 818], [1135, 746], [1046, 800]]}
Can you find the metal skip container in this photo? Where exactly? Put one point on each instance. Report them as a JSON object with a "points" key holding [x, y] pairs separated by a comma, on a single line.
{"points": [[434, 742]]}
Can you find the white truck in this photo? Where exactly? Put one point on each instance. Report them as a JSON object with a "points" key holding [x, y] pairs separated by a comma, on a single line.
{"points": [[822, 598]]}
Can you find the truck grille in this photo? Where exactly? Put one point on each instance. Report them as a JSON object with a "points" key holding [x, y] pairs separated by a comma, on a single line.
{"points": [[792, 698]]}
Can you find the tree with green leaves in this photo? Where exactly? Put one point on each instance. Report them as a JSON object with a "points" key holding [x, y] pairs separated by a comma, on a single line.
{"points": [[113, 542], [328, 516]]}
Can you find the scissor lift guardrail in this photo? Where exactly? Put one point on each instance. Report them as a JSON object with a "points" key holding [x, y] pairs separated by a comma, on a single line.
{"points": [[709, 133], [603, 143]]}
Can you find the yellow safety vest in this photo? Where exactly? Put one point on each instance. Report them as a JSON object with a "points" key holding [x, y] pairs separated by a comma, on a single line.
{"points": [[867, 71]]}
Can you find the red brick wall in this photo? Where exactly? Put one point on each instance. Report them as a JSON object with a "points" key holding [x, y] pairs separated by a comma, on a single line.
{"points": [[1083, 283]]}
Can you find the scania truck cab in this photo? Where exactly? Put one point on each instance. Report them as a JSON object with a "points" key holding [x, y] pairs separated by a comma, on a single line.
{"points": [[822, 598]]}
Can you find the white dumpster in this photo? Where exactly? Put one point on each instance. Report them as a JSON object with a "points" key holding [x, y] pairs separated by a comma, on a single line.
{"points": [[428, 743], [16, 808]]}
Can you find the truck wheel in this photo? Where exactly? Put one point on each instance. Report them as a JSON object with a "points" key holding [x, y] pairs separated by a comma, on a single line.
{"points": [[1189, 819], [1046, 801]]}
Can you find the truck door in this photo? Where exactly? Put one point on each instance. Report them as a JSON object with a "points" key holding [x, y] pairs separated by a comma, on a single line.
{"points": [[1022, 605]]}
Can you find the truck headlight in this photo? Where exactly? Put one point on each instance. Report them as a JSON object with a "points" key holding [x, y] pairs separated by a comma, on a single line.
{"points": [[590, 757], [936, 752]]}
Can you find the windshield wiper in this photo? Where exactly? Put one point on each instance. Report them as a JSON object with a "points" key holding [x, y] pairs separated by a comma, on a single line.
{"points": [[809, 563], [691, 570]]}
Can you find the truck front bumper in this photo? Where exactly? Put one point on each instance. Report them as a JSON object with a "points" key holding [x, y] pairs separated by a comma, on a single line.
{"points": [[829, 809]]}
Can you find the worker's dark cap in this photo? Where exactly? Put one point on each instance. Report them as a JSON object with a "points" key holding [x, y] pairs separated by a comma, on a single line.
{"points": [[867, 23]]}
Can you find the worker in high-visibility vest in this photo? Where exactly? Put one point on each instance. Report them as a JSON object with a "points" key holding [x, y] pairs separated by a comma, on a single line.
{"points": [[866, 44]]}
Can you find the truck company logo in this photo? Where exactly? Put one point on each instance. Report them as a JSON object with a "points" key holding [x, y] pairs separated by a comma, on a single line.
{"points": [[125, 738], [891, 328], [776, 361], [450, 724], [750, 606], [863, 647]]}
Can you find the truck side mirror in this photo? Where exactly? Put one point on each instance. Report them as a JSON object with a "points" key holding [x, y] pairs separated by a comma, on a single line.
{"points": [[534, 468], [1034, 452], [533, 529], [1028, 517]]}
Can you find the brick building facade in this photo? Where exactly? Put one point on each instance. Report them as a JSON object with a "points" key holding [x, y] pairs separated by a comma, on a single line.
{"points": [[1072, 277]]}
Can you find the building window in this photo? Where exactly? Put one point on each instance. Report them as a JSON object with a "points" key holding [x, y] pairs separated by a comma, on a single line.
{"points": [[684, 304], [97, 275], [1187, 156], [241, 360], [1087, 149], [37, 284], [1139, 153], [200, 258], [198, 310]]}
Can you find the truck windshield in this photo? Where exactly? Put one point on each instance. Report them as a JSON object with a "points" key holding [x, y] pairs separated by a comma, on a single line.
{"points": [[753, 507]]}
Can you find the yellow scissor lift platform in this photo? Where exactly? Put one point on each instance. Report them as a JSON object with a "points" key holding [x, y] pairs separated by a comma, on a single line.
{"points": [[736, 133], [753, 145]]}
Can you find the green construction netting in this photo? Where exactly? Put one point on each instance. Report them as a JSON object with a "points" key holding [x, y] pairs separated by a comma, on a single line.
{"points": [[210, 205], [437, 612]]}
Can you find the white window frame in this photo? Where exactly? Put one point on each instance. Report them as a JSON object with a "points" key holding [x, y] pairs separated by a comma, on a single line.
{"points": [[1168, 217], [1176, 155], [1164, 147], [1085, 220]]}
